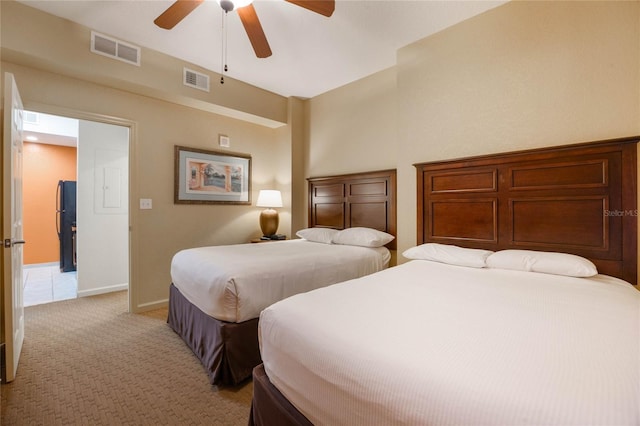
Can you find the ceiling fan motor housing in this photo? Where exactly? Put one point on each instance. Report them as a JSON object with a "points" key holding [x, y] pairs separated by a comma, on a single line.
{"points": [[227, 5]]}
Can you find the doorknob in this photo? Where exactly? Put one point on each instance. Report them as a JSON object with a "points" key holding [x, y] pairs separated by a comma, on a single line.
{"points": [[8, 242]]}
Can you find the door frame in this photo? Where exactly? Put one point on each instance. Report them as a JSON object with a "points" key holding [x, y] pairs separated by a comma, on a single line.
{"points": [[133, 177]]}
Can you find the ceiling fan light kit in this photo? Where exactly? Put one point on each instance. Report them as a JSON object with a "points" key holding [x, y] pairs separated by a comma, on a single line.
{"points": [[248, 16]]}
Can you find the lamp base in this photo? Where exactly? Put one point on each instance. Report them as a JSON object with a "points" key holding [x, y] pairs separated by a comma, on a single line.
{"points": [[269, 221]]}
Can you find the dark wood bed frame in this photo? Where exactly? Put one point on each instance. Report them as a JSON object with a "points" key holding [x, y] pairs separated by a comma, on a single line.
{"points": [[358, 199], [229, 351], [579, 199]]}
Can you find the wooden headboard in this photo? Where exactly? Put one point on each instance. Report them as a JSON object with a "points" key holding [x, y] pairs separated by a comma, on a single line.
{"points": [[359, 199], [578, 199]]}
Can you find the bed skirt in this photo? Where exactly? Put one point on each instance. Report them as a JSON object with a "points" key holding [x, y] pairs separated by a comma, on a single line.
{"points": [[269, 406], [228, 351]]}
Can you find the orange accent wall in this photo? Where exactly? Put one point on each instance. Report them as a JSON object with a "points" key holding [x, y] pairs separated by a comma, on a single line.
{"points": [[42, 167]]}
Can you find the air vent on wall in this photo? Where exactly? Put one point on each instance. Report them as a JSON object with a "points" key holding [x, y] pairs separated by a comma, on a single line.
{"points": [[116, 49], [196, 80]]}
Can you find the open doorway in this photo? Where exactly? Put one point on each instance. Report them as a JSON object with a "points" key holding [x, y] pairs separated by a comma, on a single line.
{"points": [[76, 248]]}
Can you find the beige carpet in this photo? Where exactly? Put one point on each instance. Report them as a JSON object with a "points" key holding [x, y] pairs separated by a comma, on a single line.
{"points": [[89, 362]]}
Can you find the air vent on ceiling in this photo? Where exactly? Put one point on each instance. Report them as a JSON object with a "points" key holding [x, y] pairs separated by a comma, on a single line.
{"points": [[116, 49], [196, 80], [30, 117]]}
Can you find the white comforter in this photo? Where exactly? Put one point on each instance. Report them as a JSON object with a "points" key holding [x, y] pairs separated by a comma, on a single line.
{"points": [[432, 344], [235, 282]]}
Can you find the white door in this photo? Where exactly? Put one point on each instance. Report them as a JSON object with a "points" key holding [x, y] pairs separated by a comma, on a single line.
{"points": [[13, 309]]}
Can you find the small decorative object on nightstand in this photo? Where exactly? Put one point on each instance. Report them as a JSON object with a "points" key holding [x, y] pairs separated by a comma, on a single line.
{"points": [[269, 219], [275, 237]]}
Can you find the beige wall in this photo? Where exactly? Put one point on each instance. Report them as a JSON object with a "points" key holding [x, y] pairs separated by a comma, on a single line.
{"points": [[523, 75], [296, 133], [157, 126], [353, 128]]}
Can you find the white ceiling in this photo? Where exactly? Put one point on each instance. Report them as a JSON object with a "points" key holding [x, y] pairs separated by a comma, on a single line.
{"points": [[312, 54], [50, 129]]}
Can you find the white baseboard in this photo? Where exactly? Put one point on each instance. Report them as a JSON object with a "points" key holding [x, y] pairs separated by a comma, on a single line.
{"points": [[150, 306], [40, 265], [103, 290]]}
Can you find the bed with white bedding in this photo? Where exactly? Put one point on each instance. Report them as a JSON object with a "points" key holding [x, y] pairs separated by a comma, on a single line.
{"points": [[544, 329], [236, 282], [475, 346]]}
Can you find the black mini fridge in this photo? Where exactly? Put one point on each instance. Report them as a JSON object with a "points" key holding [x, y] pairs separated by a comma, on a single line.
{"points": [[66, 224]]}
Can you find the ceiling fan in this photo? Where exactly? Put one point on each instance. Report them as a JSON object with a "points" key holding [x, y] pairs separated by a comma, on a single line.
{"points": [[181, 8]]}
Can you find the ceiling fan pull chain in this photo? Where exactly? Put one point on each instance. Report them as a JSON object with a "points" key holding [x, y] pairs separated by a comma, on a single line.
{"points": [[223, 58], [226, 42]]}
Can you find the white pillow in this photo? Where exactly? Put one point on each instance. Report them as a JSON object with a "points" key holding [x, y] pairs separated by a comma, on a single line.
{"points": [[365, 237], [545, 262], [446, 253], [318, 235]]}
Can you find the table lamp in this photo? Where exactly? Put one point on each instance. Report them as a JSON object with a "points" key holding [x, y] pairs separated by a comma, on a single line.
{"points": [[269, 220]]}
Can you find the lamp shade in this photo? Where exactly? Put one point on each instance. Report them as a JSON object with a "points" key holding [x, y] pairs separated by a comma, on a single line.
{"points": [[269, 198]]}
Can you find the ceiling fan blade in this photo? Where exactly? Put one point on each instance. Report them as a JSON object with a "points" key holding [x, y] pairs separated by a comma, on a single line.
{"points": [[176, 13], [323, 7], [252, 26]]}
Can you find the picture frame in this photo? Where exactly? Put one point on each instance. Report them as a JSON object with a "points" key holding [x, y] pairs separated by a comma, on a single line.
{"points": [[211, 177]]}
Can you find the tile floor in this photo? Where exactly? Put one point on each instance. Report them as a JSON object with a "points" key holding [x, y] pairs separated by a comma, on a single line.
{"points": [[45, 283]]}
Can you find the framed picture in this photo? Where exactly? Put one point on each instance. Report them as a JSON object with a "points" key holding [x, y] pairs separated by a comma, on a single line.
{"points": [[210, 177]]}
